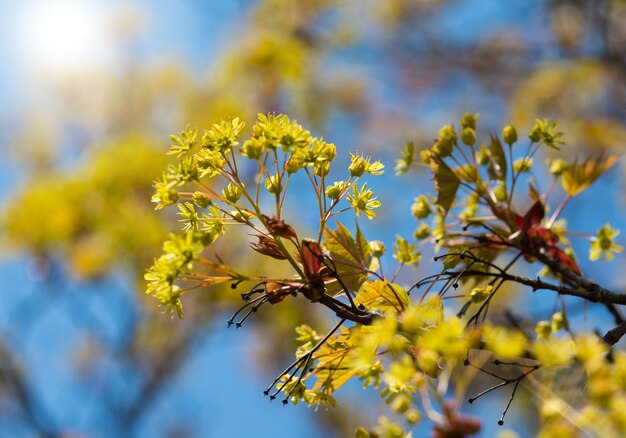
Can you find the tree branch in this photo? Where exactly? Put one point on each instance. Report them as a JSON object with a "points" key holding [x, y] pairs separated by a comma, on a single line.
{"points": [[15, 381], [360, 316], [613, 336], [596, 293]]}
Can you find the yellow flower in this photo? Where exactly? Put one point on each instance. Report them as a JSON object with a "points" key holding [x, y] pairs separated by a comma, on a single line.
{"points": [[363, 201], [602, 245]]}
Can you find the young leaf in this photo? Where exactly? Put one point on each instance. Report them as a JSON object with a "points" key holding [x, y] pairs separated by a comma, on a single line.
{"points": [[311, 253], [351, 256], [497, 169], [404, 163], [267, 246], [383, 296], [334, 365], [578, 177], [446, 182]]}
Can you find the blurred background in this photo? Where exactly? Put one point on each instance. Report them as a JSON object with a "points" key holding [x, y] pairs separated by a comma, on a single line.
{"points": [[89, 93]]}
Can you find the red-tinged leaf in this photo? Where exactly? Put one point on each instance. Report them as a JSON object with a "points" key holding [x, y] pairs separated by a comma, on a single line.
{"points": [[457, 425], [533, 234], [267, 246], [279, 227], [544, 235], [564, 259], [446, 182], [270, 290], [532, 218], [311, 259]]}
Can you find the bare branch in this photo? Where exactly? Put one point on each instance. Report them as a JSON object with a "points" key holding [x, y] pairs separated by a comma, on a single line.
{"points": [[613, 336]]}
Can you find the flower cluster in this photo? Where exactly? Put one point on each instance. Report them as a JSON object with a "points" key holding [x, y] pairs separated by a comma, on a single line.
{"points": [[405, 346], [281, 149]]}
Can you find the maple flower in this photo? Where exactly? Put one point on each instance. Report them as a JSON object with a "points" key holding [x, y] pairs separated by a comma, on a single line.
{"points": [[603, 246], [363, 201]]}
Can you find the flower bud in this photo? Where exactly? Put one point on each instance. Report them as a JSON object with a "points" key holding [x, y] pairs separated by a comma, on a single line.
{"points": [[361, 432], [468, 136], [467, 173], [232, 192], [483, 155], [480, 294], [293, 165], [443, 147], [358, 166], [273, 184], [401, 403], [425, 156], [500, 191], [241, 216], [535, 132], [447, 131], [334, 191], [522, 165], [509, 133], [543, 330], [413, 416], [320, 168], [164, 195], [422, 231], [559, 321], [421, 207], [252, 149], [469, 120], [557, 166], [428, 362], [377, 248], [201, 199]]}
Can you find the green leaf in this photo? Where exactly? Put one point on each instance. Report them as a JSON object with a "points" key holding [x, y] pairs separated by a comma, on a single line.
{"points": [[497, 169], [404, 163], [335, 365], [383, 296], [335, 372], [579, 176], [363, 246], [352, 256], [446, 182]]}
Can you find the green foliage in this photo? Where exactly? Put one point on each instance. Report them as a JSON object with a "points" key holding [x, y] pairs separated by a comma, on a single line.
{"points": [[577, 177], [446, 183], [352, 256], [382, 296]]}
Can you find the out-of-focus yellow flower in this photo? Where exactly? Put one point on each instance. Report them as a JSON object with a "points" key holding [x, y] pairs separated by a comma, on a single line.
{"points": [[603, 246]]}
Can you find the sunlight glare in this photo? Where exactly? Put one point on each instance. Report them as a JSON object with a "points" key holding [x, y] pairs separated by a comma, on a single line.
{"points": [[64, 34]]}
